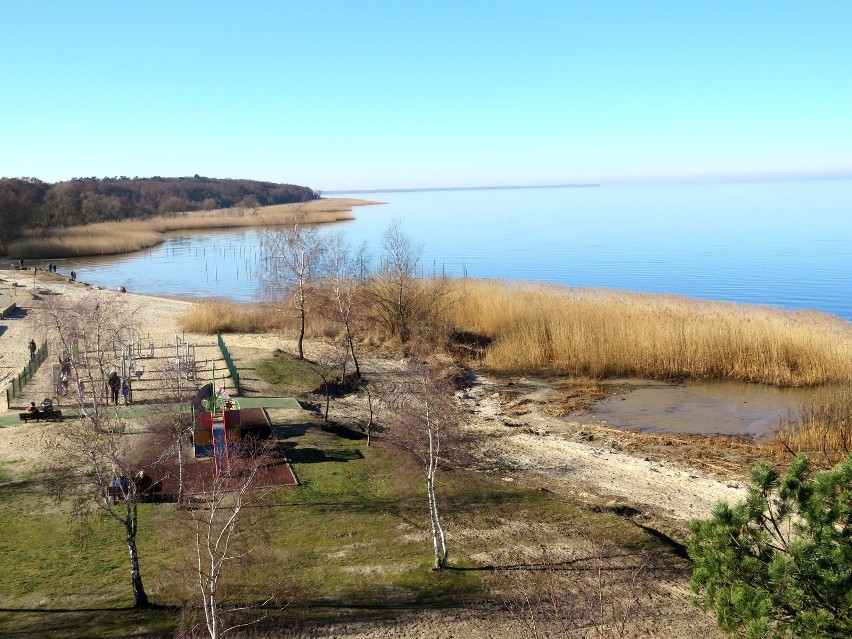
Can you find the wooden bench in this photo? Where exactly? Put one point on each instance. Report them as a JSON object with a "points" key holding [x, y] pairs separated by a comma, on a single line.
{"points": [[38, 415]]}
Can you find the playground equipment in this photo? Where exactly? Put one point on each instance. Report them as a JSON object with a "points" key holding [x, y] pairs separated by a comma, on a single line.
{"points": [[211, 437], [215, 435]]}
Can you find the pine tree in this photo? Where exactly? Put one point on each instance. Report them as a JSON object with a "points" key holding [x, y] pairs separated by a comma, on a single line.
{"points": [[780, 563]]}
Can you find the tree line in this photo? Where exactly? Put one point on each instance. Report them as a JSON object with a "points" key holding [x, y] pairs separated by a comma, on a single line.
{"points": [[32, 203]]}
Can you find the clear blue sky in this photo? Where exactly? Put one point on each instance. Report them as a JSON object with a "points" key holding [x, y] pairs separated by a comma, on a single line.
{"points": [[337, 95]]}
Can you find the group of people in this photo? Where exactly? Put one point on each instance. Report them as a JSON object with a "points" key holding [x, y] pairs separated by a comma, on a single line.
{"points": [[117, 386], [46, 406], [141, 482], [51, 267]]}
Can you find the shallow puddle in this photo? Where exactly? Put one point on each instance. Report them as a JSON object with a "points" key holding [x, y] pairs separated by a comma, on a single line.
{"points": [[727, 408]]}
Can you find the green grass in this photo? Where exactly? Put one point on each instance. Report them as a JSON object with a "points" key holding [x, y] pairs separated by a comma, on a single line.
{"points": [[289, 375], [351, 540]]}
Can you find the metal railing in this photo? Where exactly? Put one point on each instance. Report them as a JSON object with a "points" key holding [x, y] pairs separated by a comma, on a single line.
{"points": [[16, 388], [229, 362]]}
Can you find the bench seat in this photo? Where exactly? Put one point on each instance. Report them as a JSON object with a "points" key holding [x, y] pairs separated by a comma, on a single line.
{"points": [[53, 415]]}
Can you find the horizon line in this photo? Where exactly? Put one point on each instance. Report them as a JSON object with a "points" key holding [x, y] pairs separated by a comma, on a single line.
{"points": [[462, 188]]}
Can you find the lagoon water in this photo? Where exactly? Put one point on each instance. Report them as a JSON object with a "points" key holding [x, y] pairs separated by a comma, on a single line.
{"points": [[786, 244]]}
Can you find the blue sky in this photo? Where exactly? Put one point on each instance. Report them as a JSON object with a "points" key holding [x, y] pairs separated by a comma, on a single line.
{"points": [[338, 95]]}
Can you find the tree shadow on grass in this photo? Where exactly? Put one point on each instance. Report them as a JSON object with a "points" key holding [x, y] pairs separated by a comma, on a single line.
{"points": [[291, 430], [123, 621], [309, 455]]}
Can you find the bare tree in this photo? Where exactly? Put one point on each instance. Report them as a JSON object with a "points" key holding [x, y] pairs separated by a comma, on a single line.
{"points": [[402, 300], [291, 258], [346, 269], [91, 334], [330, 365], [224, 530], [173, 422], [427, 420], [95, 452]]}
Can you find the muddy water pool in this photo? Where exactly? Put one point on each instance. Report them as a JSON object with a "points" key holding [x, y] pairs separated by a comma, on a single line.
{"points": [[707, 408]]}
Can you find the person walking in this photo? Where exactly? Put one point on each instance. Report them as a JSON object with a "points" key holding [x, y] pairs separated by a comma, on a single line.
{"points": [[33, 348]]}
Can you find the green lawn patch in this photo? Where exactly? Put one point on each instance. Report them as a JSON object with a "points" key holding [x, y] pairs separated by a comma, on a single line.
{"points": [[289, 375], [351, 540]]}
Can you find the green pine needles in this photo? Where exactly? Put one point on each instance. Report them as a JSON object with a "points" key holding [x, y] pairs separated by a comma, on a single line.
{"points": [[780, 563]]}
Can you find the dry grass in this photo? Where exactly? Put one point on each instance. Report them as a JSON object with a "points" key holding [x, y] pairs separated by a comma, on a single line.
{"points": [[823, 428], [209, 316], [600, 333], [110, 238]]}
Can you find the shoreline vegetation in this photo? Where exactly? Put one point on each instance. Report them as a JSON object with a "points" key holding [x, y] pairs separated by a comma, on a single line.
{"points": [[113, 238], [510, 329], [526, 328], [517, 328]]}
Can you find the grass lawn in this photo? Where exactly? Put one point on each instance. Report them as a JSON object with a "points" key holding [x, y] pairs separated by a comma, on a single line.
{"points": [[352, 539]]}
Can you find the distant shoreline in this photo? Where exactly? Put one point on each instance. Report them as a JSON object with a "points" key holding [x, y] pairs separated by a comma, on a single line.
{"points": [[118, 238], [466, 188]]}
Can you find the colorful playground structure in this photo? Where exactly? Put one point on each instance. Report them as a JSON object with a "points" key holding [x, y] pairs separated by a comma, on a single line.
{"points": [[220, 424]]}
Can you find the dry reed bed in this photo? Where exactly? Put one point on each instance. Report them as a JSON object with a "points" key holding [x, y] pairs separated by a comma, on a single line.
{"points": [[823, 427], [111, 238], [601, 333], [543, 329], [554, 330], [208, 316]]}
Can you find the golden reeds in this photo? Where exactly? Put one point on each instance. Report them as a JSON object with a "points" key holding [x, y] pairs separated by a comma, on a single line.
{"points": [[208, 316], [110, 238], [823, 428], [601, 333]]}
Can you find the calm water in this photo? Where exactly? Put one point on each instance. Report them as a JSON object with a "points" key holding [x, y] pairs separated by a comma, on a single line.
{"points": [[786, 244]]}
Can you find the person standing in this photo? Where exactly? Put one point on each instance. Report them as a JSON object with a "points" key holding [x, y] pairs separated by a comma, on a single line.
{"points": [[33, 349], [114, 382]]}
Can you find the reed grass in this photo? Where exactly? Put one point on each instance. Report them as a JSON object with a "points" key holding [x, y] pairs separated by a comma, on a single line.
{"points": [[600, 333], [603, 333], [209, 316], [111, 238], [823, 428]]}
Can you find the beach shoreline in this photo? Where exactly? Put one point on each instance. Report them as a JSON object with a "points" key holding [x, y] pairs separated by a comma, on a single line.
{"points": [[129, 236]]}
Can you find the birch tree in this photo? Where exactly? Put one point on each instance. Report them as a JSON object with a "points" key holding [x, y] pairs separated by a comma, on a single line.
{"points": [[94, 450], [402, 300], [427, 426], [223, 532], [291, 257], [173, 422], [346, 269]]}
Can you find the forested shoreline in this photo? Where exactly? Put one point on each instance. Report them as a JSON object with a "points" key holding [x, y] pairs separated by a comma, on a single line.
{"points": [[27, 203]]}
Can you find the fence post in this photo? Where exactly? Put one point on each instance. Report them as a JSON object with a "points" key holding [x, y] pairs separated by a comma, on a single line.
{"points": [[16, 388]]}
